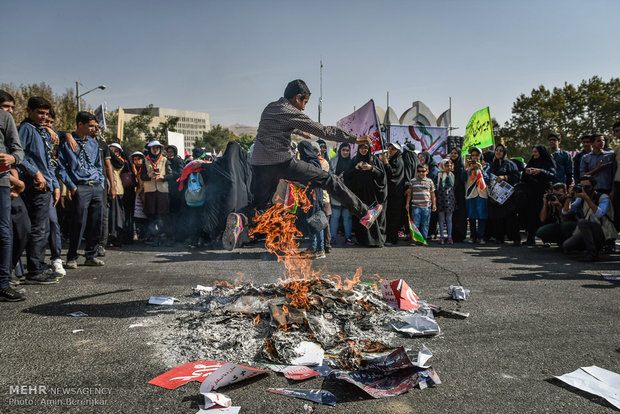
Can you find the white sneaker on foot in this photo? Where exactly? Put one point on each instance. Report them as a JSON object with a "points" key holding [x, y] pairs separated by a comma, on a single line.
{"points": [[57, 267]]}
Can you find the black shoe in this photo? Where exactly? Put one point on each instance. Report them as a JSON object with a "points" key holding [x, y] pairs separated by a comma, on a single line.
{"points": [[10, 295], [40, 279]]}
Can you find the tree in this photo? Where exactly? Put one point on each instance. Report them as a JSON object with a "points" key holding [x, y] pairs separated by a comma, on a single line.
{"points": [[245, 141], [64, 105], [137, 129], [591, 107], [160, 132], [217, 138]]}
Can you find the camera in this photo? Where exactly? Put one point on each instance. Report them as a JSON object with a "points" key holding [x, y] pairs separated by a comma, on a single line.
{"points": [[578, 188], [551, 196]]}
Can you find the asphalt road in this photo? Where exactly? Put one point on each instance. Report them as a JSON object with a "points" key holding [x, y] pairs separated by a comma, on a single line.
{"points": [[534, 314]]}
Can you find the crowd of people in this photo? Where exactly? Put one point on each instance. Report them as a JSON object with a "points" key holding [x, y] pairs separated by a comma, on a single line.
{"points": [[73, 186]]}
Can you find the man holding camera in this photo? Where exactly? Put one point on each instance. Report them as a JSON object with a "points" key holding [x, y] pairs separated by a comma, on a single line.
{"points": [[558, 227], [596, 223]]}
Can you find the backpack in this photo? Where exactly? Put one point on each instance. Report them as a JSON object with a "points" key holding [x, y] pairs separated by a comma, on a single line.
{"points": [[196, 193]]}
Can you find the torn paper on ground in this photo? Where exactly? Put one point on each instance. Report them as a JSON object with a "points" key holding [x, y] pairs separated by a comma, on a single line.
{"points": [[417, 325], [308, 353], [77, 330], [389, 375], [597, 381], [458, 292], [227, 410], [216, 400], [319, 396], [162, 300], [613, 278], [399, 295], [299, 372], [78, 314], [190, 371], [227, 374]]}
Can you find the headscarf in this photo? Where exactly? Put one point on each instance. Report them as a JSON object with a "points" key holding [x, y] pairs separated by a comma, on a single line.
{"points": [[459, 165], [445, 175], [343, 164], [362, 158], [307, 154], [117, 161], [410, 160], [326, 153], [545, 161]]}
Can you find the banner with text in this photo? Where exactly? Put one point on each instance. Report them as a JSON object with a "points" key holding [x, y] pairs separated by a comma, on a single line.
{"points": [[363, 121], [479, 131]]}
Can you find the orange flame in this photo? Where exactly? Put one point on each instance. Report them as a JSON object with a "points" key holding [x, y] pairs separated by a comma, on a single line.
{"points": [[223, 283], [257, 319]]}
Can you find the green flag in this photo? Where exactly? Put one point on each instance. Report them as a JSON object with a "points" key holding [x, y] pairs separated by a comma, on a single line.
{"points": [[479, 131]]}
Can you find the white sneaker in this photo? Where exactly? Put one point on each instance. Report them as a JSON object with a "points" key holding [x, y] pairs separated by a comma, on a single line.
{"points": [[57, 267], [72, 264]]}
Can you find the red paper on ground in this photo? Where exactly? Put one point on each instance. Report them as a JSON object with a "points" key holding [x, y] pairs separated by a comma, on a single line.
{"points": [[399, 295], [190, 371]]}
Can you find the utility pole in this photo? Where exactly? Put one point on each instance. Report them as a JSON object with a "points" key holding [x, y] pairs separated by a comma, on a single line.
{"points": [[321, 91], [77, 96]]}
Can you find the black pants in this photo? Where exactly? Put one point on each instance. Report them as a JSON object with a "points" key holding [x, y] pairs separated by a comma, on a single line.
{"points": [[87, 217], [21, 228], [38, 205], [266, 178], [589, 238]]}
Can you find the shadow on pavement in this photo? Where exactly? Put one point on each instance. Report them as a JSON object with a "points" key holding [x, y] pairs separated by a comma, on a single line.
{"points": [[594, 398], [208, 256], [555, 266], [128, 309]]}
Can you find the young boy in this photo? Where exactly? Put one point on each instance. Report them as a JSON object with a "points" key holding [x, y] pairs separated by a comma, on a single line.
{"points": [[421, 199]]}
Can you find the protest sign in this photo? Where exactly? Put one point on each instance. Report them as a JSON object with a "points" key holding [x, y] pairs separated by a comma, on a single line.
{"points": [[178, 140], [479, 131], [399, 295], [501, 191], [433, 140], [364, 121], [100, 117], [190, 371]]}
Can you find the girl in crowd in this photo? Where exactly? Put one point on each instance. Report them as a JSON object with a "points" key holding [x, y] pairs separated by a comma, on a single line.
{"points": [[446, 201], [116, 220], [155, 186], [338, 166], [476, 195], [537, 177], [459, 217], [367, 181], [395, 174], [137, 227], [431, 165], [503, 217]]}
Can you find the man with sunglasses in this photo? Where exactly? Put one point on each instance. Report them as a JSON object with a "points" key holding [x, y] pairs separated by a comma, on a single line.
{"points": [[595, 225]]}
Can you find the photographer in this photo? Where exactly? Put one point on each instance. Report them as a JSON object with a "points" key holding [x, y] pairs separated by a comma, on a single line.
{"points": [[558, 227], [597, 223]]}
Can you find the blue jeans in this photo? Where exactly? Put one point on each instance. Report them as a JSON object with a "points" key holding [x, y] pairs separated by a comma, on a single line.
{"points": [[337, 212], [318, 243], [6, 237], [421, 218]]}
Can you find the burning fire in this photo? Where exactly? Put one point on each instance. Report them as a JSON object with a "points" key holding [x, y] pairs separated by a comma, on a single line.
{"points": [[278, 224]]}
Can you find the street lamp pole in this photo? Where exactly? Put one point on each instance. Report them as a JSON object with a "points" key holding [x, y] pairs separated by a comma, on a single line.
{"points": [[78, 95]]}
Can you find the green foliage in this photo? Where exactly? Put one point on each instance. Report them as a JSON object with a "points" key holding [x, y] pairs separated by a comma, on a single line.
{"points": [[217, 138], [245, 141], [591, 107], [64, 104], [160, 132]]}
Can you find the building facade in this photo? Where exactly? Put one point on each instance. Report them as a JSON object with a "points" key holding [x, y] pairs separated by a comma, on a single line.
{"points": [[191, 124]]}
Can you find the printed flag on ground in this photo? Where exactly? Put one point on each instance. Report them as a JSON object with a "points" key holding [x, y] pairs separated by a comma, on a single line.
{"points": [[364, 121], [290, 200], [479, 131], [415, 233]]}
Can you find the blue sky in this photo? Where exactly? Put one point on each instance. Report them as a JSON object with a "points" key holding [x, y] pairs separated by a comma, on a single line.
{"points": [[231, 58]]}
